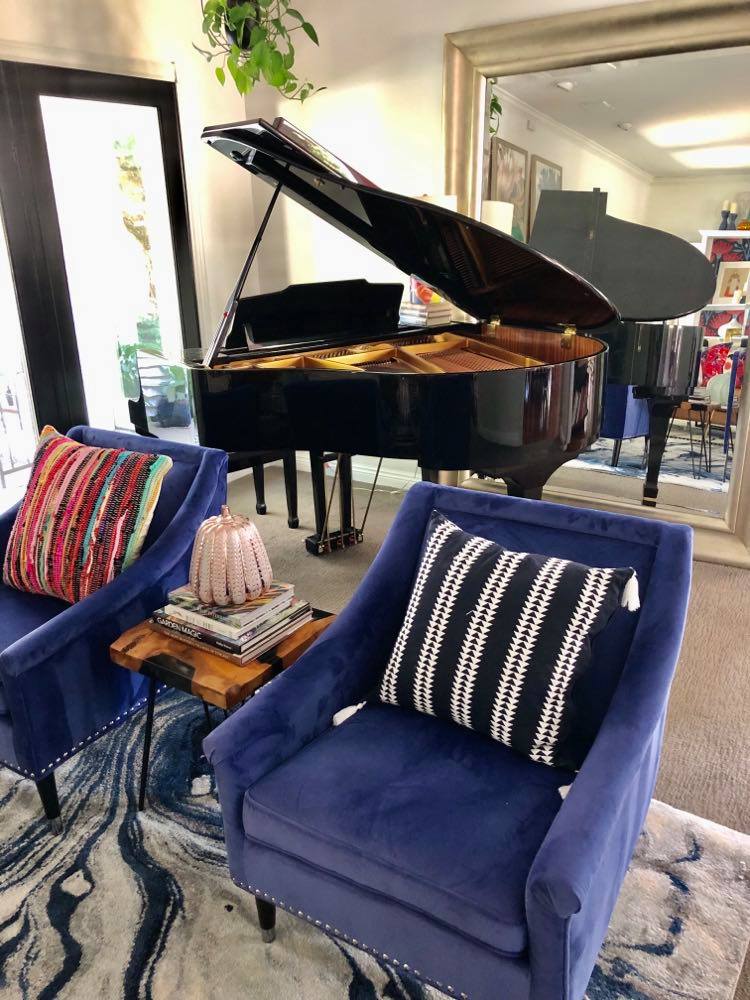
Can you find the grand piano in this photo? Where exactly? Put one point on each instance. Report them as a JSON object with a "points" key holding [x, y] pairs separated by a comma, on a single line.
{"points": [[653, 278], [513, 393]]}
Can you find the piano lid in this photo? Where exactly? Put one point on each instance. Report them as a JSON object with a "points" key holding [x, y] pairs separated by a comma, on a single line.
{"points": [[482, 271], [648, 274]]}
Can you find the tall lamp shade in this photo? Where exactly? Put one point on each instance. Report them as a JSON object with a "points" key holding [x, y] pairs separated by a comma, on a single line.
{"points": [[499, 215], [449, 201]]}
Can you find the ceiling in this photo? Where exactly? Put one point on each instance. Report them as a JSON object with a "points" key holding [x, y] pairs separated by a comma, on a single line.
{"points": [[680, 107]]}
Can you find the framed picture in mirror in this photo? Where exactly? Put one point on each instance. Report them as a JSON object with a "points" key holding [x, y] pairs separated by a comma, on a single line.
{"points": [[544, 176], [732, 282], [509, 181]]}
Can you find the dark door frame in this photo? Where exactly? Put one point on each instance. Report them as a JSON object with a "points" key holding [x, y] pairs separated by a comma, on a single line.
{"points": [[27, 205]]}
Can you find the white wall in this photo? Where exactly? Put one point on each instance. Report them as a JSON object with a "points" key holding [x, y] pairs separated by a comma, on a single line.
{"points": [[585, 165], [683, 205], [107, 35], [383, 66]]}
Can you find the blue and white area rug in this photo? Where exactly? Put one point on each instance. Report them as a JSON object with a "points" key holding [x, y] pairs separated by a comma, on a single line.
{"points": [[681, 465], [140, 906]]}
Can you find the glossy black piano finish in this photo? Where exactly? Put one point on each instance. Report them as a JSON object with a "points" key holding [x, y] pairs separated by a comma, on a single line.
{"points": [[651, 276], [326, 369], [519, 424]]}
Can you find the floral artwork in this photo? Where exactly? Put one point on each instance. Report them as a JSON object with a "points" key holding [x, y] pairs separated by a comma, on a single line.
{"points": [[509, 181], [545, 176]]}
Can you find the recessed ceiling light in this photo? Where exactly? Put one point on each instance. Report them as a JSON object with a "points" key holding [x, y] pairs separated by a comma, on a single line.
{"points": [[598, 105], [625, 126], [565, 84], [713, 157], [612, 65], [699, 131]]}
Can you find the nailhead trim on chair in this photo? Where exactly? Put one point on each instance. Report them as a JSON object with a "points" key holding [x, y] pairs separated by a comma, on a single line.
{"points": [[34, 775], [337, 933]]}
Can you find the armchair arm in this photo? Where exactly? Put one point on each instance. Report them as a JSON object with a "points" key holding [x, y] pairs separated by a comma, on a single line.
{"points": [[58, 680], [7, 519], [576, 876]]}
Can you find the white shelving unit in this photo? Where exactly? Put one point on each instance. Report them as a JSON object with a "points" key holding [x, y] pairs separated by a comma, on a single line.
{"points": [[704, 245]]}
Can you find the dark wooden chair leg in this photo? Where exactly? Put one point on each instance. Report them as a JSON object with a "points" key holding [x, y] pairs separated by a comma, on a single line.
{"points": [[50, 803], [266, 919], [290, 484], [260, 488]]}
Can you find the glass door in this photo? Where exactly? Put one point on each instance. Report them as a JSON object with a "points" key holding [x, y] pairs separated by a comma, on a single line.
{"points": [[91, 187], [111, 201], [17, 421]]}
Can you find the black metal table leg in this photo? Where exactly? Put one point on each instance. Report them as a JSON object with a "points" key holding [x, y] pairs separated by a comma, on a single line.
{"points": [[147, 741]]}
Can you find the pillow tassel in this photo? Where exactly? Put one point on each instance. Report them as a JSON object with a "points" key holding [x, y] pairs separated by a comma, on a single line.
{"points": [[347, 713], [630, 595]]}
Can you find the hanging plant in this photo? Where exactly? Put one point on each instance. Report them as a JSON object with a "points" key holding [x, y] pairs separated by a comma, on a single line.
{"points": [[495, 109], [253, 43]]}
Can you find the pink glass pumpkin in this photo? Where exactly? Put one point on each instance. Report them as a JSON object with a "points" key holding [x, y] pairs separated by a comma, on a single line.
{"points": [[229, 564]]}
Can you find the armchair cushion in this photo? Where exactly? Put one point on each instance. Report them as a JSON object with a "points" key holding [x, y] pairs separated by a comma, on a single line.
{"points": [[21, 613], [497, 640], [435, 818], [84, 518]]}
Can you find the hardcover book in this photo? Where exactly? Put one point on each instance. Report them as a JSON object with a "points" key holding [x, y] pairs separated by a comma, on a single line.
{"points": [[232, 622], [183, 628]]}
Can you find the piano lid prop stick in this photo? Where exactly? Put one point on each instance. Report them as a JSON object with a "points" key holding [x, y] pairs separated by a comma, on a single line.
{"points": [[227, 320]]}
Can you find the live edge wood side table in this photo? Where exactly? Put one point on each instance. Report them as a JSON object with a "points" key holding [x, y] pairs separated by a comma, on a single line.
{"points": [[165, 659]]}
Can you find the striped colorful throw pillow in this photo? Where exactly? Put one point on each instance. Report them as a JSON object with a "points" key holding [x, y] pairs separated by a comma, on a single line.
{"points": [[497, 640], [84, 517]]}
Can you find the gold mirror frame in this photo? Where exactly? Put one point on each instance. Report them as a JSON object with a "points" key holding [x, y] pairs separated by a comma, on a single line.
{"points": [[610, 34]]}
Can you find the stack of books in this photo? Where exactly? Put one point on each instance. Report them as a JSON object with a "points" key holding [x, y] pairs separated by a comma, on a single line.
{"points": [[425, 314], [239, 633]]}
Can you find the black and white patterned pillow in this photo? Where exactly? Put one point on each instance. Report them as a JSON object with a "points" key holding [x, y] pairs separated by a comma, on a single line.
{"points": [[496, 640]]}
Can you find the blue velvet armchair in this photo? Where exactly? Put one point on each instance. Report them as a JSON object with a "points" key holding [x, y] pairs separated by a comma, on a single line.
{"points": [[432, 846], [59, 690], [623, 417]]}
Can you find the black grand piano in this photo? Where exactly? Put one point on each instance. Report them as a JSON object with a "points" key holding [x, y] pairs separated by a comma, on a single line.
{"points": [[326, 368], [653, 278]]}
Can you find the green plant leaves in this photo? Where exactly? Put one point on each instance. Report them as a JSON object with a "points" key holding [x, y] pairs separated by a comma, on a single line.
{"points": [[252, 39]]}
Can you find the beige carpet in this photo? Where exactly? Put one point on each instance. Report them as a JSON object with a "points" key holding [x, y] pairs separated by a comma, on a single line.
{"points": [[706, 761]]}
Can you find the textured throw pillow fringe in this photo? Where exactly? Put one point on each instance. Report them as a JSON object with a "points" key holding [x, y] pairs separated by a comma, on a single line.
{"points": [[84, 517], [497, 641]]}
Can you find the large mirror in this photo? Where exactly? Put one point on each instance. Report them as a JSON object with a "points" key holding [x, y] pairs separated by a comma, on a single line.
{"points": [[656, 140]]}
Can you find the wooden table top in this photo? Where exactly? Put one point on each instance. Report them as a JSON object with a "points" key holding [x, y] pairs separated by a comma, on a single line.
{"points": [[211, 678]]}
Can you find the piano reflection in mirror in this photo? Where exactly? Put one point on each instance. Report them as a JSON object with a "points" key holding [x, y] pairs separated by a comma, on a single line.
{"points": [[653, 278], [326, 368]]}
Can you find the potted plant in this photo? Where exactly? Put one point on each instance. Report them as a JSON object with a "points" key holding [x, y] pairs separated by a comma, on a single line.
{"points": [[252, 40]]}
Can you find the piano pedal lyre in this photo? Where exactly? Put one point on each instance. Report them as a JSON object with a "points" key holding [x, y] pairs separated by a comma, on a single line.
{"points": [[348, 534]]}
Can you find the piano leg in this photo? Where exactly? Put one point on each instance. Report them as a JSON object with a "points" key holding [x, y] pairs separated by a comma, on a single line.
{"points": [[660, 415], [259, 481], [290, 485], [516, 489], [441, 477]]}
